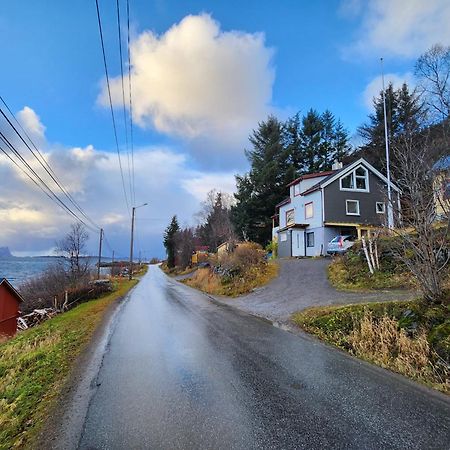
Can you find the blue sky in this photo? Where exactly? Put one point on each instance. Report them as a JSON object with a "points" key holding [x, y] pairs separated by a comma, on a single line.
{"points": [[221, 67]]}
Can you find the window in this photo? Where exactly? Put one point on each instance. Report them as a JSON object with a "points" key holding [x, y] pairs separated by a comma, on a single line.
{"points": [[290, 217], [352, 207], [297, 189], [347, 182], [380, 207], [283, 237], [310, 239], [309, 210], [357, 180]]}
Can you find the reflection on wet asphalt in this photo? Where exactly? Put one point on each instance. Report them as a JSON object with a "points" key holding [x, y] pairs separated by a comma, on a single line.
{"points": [[181, 372]]}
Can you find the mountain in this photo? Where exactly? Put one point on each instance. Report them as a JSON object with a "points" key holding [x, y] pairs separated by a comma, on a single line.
{"points": [[5, 253]]}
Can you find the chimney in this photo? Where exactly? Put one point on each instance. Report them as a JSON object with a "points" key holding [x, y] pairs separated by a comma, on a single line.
{"points": [[337, 165]]}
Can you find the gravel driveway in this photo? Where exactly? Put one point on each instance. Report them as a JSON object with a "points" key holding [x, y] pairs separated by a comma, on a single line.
{"points": [[303, 283]]}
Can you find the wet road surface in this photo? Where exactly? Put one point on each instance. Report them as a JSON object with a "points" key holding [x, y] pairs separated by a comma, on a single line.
{"points": [[181, 372]]}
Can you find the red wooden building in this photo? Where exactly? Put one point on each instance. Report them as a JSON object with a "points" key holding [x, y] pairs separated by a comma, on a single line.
{"points": [[10, 300]]}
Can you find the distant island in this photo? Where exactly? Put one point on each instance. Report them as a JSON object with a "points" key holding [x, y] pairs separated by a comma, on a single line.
{"points": [[5, 253]]}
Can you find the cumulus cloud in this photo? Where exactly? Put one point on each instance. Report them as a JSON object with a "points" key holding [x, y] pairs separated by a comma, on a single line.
{"points": [[398, 27], [374, 87], [31, 122], [196, 81], [31, 223]]}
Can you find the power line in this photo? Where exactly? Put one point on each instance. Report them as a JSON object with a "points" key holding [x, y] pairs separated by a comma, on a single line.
{"points": [[40, 182], [42, 161], [131, 102], [110, 103], [123, 99]]}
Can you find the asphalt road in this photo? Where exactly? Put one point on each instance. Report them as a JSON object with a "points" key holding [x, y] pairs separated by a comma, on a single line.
{"points": [[303, 283], [181, 372]]}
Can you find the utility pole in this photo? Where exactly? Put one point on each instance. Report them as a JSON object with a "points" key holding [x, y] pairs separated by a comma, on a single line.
{"points": [[390, 217], [133, 210], [112, 264], [99, 253]]}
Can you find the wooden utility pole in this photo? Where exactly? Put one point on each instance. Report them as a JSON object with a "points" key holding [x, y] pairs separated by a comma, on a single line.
{"points": [[99, 253], [130, 274], [112, 264], [130, 270]]}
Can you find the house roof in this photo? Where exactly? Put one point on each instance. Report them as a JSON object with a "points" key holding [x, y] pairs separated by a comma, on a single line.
{"points": [[294, 225], [11, 289], [284, 202], [338, 173], [442, 164], [307, 176]]}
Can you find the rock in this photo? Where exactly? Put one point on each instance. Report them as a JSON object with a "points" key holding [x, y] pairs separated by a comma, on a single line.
{"points": [[5, 253]]}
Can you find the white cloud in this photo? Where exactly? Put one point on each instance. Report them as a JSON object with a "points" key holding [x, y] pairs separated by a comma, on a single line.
{"points": [[374, 88], [31, 122], [196, 81], [403, 28], [198, 185], [30, 223]]}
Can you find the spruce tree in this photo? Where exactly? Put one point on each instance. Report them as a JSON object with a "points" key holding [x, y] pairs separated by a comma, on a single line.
{"points": [[170, 241]]}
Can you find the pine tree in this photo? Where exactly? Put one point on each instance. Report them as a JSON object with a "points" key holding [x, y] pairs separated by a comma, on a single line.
{"points": [[170, 241], [265, 185], [404, 111]]}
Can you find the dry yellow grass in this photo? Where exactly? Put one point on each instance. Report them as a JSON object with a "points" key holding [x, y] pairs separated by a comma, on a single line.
{"points": [[384, 343], [207, 281]]}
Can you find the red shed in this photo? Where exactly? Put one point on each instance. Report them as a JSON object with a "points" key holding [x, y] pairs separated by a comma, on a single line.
{"points": [[9, 308]]}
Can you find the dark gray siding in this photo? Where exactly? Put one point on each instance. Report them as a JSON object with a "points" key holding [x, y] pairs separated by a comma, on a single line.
{"points": [[335, 210], [285, 248]]}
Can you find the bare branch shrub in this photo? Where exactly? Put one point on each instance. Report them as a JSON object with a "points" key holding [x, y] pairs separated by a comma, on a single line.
{"points": [[73, 248], [424, 241]]}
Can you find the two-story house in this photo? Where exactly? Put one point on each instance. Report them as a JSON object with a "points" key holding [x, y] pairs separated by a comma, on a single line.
{"points": [[320, 206]]}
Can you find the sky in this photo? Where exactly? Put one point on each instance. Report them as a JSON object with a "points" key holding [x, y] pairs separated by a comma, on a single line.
{"points": [[203, 74]]}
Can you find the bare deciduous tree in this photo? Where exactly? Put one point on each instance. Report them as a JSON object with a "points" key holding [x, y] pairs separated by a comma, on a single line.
{"points": [[433, 71], [423, 238], [73, 247]]}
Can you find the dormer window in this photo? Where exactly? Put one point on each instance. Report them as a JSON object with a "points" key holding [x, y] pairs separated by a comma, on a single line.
{"points": [[297, 189], [356, 180]]}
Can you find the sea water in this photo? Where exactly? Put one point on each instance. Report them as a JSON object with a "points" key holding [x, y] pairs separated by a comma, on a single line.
{"points": [[19, 269]]}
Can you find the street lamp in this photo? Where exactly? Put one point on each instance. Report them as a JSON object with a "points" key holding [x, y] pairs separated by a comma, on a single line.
{"points": [[130, 270]]}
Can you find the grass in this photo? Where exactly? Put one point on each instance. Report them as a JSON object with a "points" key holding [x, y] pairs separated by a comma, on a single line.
{"points": [[255, 276], [35, 364], [176, 271], [350, 272], [411, 338]]}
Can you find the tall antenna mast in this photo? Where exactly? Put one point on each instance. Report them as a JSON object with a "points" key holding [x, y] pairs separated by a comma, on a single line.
{"points": [[390, 218]]}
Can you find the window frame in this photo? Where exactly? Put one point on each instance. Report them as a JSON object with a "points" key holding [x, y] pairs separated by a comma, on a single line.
{"points": [[346, 208], [297, 188], [354, 180], [384, 207], [312, 210], [293, 216], [309, 233]]}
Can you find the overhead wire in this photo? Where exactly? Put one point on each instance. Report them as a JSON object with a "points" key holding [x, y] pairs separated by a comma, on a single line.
{"points": [[38, 180], [123, 99], [110, 103], [130, 102], [42, 161]]}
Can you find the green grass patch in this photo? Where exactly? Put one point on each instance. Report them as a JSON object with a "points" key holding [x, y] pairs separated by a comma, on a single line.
{"points": [[350, 272], [411, 338], [34, 366]]}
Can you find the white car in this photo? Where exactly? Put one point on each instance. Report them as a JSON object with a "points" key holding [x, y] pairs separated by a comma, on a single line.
{"points": [[340, 244]]}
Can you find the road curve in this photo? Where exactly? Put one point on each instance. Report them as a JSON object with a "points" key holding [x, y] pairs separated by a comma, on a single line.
{"points": [[181, 372]]}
